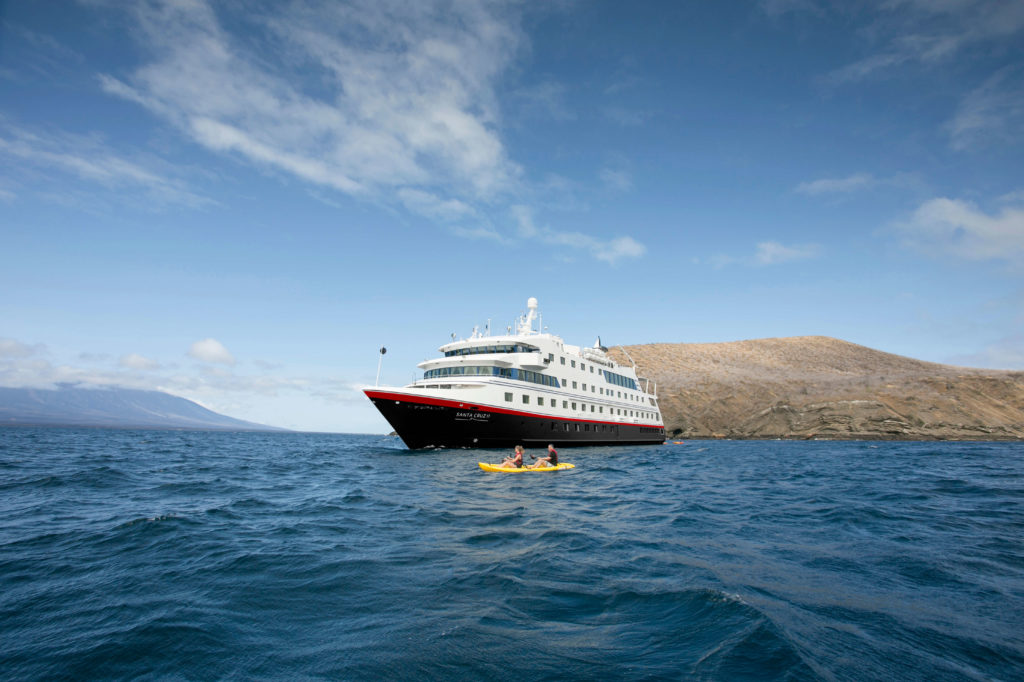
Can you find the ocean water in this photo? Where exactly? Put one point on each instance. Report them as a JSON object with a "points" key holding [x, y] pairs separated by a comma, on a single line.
{"points": [[194, 555]]}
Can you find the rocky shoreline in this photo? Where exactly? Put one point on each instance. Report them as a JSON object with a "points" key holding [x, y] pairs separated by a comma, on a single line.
{"points": [[823, 388]]}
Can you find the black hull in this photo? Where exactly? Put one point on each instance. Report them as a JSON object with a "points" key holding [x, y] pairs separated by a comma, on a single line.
{"points": [[428, 422]]}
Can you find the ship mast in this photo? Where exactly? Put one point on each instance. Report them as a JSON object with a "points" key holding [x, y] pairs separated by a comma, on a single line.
{"points": [[525, 326]]}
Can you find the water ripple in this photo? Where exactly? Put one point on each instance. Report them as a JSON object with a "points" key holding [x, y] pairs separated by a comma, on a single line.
{"points": [[195, 555]]}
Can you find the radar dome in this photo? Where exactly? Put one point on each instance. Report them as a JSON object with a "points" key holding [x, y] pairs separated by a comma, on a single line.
{"points": [[531, 302]]}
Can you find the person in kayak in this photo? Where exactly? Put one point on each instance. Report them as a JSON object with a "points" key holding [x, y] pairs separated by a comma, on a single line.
{"points": [[550, 461], [515, 460]]}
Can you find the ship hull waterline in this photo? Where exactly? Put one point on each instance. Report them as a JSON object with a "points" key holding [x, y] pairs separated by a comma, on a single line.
{"points": [[425, 422]]}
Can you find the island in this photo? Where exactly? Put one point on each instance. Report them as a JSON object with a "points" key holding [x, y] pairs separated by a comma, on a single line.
{"points": [[820, 387]]}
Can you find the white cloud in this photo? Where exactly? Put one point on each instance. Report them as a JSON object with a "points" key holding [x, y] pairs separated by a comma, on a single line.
{"points": [[774, 253], [136, 361], [388, 101], [403, 94], [991, 113], [9, 348], [848, 184], [88, 158], [1014, 197], [211, 350], [263, 397], [478, 232], [961, 229], [607, 250], [931, 32], [433, 206]]}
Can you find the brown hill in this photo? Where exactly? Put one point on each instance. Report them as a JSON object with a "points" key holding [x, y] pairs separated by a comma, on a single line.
{"points": [[815, 386]]}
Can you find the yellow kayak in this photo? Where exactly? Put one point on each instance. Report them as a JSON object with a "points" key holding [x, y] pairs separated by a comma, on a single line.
{"points": [[516, 470]]}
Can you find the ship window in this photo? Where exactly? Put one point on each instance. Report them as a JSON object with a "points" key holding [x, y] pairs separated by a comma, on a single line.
{"points": [[591, 408], [563, 360], [601, 410], [591, 388], [526, 399], [584, 387], [551, 356], [566, 425], [574, 406], [572, 362], [591, 369], [586, 427], [577, 427], [574, 384], [508, 397], [540, 401], [565, 404], [583, 368]]}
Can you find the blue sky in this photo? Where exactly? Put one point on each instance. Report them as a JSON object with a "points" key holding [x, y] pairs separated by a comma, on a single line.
{"points": [[239, 203]]}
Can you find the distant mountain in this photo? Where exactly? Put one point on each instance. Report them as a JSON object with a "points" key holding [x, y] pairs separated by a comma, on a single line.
{"points": [[820, 387], [112, 407]]}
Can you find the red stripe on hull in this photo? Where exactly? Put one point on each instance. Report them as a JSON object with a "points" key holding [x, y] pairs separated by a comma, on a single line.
{"points": [[423, 421]]}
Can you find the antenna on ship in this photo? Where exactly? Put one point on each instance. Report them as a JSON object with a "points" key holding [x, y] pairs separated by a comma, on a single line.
{"points": [[380, 361], [526, 322]]}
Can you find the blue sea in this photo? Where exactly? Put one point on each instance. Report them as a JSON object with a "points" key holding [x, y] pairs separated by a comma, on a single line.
{"points": [[199, 555]]}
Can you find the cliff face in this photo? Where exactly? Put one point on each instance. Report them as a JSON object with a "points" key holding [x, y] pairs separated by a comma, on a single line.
{"points": [[813, 386]]}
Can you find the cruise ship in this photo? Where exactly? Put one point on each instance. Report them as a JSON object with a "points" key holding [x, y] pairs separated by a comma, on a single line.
{"points": [[526, 388]]}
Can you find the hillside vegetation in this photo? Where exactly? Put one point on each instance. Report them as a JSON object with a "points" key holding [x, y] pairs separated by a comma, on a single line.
{"points": [[814, 386]]}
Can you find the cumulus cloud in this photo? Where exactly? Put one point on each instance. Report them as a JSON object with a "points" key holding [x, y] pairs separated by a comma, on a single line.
{"points": [[211, 350], [959, 228], [136, 361], [774, 253]]}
